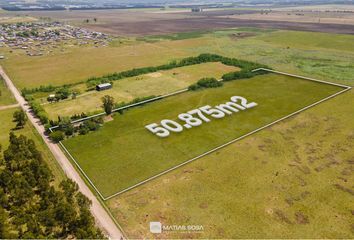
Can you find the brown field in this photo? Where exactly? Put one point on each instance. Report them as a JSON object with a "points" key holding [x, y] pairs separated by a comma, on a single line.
{"points": [[303, 17], [137, 23]]}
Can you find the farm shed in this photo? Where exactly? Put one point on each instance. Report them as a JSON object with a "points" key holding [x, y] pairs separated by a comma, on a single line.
{"points": [[103, 86]]}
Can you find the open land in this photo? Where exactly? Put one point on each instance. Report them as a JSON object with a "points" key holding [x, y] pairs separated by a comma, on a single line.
{"points": [[147, 22], [120, 22], [125, 90], [299, 50], [300, 17], [291, 180], [142, 154]]}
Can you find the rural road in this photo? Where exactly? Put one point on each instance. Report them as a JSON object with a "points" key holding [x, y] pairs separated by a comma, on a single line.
{"points": [[9, 106], [100, 214]]}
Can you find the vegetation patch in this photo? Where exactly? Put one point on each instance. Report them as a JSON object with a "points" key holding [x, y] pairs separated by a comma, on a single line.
{"points": [[205, 83]]}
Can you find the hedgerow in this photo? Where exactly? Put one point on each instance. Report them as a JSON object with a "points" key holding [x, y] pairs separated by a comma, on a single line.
{"points": [[246, 68], [205, 83]]}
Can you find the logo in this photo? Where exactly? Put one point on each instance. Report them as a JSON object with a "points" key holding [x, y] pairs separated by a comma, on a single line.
{"points": [[155, 227]]}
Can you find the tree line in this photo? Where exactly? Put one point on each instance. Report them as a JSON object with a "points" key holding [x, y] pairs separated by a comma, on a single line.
{"points": [[31, 207], [246, 68]]}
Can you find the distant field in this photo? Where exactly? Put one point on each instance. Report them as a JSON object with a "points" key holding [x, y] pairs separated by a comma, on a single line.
{"points": [[125, 90], [6, 98], [289, 50], [124, 153], [305, 17], [16, 19], [78, 64], [6, 125]]}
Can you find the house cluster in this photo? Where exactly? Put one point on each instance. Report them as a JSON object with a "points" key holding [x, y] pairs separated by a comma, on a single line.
{"points": [[42, 37]]}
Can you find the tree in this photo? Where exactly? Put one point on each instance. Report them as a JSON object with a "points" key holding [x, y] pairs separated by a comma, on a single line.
{"points": [[20, 118], [66, 126], [31, 207], [108, 103], [57, 136], [95, 19]]}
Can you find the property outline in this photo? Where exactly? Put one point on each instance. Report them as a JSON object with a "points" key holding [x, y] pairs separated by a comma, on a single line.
{"points": [[346, 88]]}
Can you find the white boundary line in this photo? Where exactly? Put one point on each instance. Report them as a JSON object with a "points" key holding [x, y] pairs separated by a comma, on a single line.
{"points": [[346, 88]]}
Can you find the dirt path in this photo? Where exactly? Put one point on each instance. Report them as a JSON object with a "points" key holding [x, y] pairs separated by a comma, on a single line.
{"points": [[100, 214], [9, 106]]}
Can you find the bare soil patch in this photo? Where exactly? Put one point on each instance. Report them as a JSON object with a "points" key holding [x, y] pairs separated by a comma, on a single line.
{"points": [[137, 23]]}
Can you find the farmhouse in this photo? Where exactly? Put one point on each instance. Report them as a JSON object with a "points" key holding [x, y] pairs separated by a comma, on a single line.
{"points": [[103, 86]]}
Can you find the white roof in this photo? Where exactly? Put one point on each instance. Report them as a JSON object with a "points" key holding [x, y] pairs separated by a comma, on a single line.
{"points": [[104, 85]]}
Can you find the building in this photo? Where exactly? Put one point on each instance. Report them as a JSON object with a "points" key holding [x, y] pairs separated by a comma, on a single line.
{"points": [[197, 9], [2, 57], [103, 86]]}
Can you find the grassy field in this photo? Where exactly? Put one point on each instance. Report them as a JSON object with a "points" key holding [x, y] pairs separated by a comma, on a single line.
{"points": [[313, 53], [6, 98], [278, 183], [125, 90], [116, 157], [29, 131], [256, 192]]}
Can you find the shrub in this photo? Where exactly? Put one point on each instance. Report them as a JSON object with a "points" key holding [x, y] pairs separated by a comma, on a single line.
{"points": [[205, 83], [57, 136], [39, 112]]}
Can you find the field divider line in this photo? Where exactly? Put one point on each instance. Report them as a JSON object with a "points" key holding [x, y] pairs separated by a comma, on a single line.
{"points": [[79, 167], [81, 170], [228, 143]]}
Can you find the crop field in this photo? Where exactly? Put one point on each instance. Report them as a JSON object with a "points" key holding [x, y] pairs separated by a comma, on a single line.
{"points": [[6, 97], [125, 90], [124, 153]]}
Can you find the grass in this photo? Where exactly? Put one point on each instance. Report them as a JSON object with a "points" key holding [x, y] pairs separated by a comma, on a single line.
{"points": [[6, 98], [124, 153], [308, 52], [256, 187], [67, 67], [242, 197], [125, 90], [29, 131], [260, 184]]}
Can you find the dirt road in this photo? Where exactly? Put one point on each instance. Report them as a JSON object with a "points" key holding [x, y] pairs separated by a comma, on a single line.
{"points": [[9, 106], [100, 214]]}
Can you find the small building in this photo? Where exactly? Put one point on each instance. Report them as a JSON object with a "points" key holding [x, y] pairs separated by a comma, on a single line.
{"points": [[103, 86], [197, 9], [2, 57]]}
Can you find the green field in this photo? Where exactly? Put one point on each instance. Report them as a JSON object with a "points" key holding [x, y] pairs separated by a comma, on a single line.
{"points": [[278, 183], [292, 180], [321, 53], [125, 90], [6, 97], [124, 153]]}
